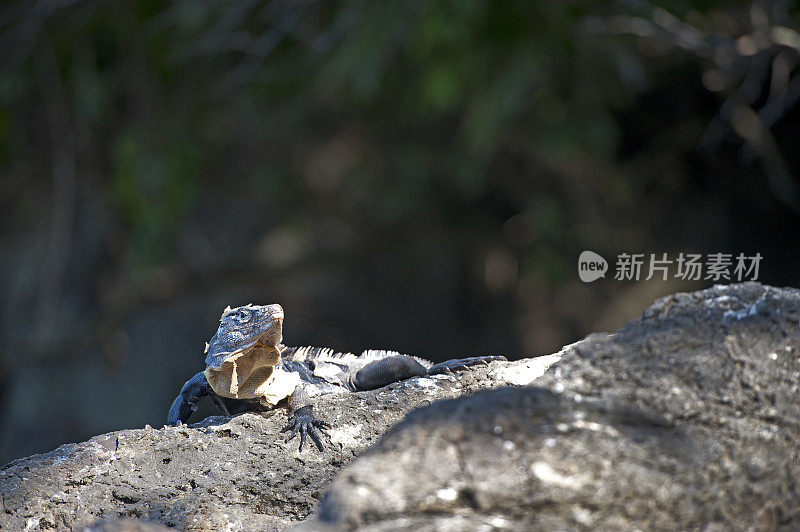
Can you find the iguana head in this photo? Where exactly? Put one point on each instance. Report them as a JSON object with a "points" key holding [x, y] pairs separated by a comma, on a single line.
{"points": [[243, 354]]}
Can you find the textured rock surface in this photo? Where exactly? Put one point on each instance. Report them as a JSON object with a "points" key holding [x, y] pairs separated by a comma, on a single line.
{"points": [[222, 473], [686, 418]]}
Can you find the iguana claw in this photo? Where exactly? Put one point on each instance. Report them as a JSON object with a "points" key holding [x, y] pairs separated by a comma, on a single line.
{"points": [[303, 421]]}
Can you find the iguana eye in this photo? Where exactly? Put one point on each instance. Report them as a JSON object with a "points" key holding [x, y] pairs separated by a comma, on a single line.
{"points": [[243, 315]]}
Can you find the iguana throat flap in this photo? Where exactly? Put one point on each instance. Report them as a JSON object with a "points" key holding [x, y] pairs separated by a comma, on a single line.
{"points": [[242, 374]]}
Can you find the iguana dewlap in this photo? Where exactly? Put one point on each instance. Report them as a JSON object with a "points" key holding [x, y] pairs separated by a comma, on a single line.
{"points": [[247, 368]]}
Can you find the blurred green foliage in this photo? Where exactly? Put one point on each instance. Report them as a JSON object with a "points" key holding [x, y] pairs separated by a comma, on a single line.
{"points": [[374, 113], [155, 182]]}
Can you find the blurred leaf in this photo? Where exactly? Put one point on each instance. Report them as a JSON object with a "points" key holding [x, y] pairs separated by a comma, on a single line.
{"points": [[155, 182]]}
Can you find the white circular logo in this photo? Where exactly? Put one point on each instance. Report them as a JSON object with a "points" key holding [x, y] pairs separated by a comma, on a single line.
{"points": [[591, 266]]}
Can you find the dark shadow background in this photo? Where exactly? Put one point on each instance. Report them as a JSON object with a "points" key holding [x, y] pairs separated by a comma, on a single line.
{"points": [[419, 176]]}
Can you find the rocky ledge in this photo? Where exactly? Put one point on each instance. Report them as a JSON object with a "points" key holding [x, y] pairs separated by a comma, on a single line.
{"points": [[686, 418]]}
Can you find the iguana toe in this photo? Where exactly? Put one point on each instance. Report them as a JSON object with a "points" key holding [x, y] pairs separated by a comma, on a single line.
{"points": [[304, 423]]}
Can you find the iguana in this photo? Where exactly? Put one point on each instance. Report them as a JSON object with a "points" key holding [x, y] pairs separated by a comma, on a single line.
{"points": [[247, 368]]}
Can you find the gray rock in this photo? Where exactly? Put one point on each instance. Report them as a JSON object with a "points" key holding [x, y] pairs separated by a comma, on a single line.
{"points": [[222, 473], [126, 525], [686, 418]]}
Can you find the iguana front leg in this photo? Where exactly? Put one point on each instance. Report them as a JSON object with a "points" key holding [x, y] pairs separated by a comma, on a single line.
{"points": [[302, 420], [191, 394]]}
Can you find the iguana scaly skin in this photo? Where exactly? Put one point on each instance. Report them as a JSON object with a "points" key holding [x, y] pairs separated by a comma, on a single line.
{"points": [[247, 368]]}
